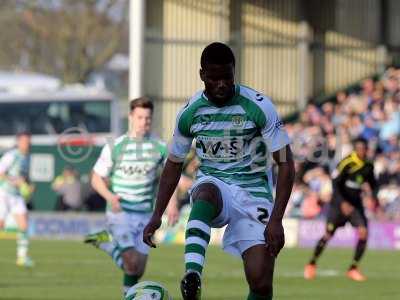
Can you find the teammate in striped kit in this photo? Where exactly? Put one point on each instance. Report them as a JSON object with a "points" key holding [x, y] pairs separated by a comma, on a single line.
{"points": [[126, 175], [236, 129], [14, 174]]}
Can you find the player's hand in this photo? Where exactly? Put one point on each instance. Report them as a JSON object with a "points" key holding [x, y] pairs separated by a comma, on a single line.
{"points": [[275, 237], [150, 229], [115, 203], [172, 214], [16, 181]]}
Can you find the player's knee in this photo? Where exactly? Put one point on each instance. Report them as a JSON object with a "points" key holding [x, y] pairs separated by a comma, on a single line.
{"points": [[362, 233], [131, 268], [260, 282], [207, 192], [328, 235], [130, 263], [261, 286], [330, 231]]}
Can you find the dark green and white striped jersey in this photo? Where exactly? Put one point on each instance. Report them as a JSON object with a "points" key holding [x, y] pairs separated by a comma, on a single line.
{"points": [[132, 167], [13, 164], [233, 141]]}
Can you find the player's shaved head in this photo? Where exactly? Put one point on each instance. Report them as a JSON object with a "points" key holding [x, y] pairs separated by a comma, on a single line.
{"points": [[360, 140], [361, 147], [217, 54], [218, 72]]}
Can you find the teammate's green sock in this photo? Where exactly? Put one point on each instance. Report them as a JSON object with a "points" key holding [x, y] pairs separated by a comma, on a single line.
{"points": [[116, 257], [22, 244], [129, 281], [197, 235], [254, 296]]}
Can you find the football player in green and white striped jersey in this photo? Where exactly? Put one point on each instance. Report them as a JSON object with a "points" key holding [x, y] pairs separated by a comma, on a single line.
{"points": [[126, 175], [236, 129], [15, 190]]}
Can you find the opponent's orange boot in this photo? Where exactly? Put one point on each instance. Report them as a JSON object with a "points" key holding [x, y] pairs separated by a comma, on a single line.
{"points": [[310, 271], [355, 274]]}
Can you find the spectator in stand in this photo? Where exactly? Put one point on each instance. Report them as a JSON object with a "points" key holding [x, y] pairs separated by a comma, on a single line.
{"points": [[68, 187], [321, 138]]}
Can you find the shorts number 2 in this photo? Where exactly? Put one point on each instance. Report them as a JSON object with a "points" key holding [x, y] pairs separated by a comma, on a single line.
{"points": [[263, 215]]}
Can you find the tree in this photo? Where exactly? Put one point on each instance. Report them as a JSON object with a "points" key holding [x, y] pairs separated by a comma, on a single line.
{"points": [[66, 38]]}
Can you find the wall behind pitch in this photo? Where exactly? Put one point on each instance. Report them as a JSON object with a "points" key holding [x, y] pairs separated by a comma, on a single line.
{"points": [[289, 49]]}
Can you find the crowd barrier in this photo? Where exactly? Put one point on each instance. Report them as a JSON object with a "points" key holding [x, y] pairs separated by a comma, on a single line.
{"points": [[299, 233]]}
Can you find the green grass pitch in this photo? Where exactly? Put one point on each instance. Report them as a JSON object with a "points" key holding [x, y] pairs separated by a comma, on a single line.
{"points": [[70, 270]]}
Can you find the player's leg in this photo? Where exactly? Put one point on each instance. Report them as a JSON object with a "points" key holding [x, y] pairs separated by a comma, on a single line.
{"points": [[20, 213], [322, 242], [3, 213], [358, 220], [22, 240], [207, 205], [259, 270], [127, 231], [103, 241], [134, 264], [3, 208], [335, 219]]}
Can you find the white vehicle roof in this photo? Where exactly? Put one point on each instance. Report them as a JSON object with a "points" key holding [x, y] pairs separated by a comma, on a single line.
{"points": [[30, 87]]}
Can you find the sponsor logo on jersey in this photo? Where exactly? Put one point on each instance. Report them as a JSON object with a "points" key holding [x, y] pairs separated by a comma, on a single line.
{"points": [[220, 148], [238, 121], [134, 170], [205, 119]]}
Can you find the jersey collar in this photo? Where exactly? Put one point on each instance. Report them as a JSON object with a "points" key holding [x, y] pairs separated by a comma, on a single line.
{"points": [[232, 100]]}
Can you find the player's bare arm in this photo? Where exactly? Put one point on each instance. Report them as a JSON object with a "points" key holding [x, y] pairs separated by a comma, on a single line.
{"points": [[99, 184], [173, 210], [168, 182], [274, 233]]}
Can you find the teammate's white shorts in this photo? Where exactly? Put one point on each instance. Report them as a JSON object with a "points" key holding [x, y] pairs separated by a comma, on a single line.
{"points": [[127, 230], [241, 214], [11, 204]]}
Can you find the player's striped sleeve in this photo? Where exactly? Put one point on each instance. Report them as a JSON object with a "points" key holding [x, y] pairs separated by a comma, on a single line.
{"points": [[182, 139]]}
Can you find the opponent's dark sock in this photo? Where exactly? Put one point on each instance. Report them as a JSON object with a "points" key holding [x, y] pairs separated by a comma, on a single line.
{"points": [[359, 252], [318, 250]]}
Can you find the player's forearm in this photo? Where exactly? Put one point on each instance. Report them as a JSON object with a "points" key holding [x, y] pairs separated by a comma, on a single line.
{"points": [[168, 182], [100, 186], [173, 202], [286, 173]]}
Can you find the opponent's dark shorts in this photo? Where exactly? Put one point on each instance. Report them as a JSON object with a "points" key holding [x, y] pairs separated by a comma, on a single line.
{"points": [[337, 219]]}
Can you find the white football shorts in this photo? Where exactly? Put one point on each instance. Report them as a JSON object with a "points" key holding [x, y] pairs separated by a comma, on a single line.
{"points": [[127, 230], [11, 204], [245, 217]]}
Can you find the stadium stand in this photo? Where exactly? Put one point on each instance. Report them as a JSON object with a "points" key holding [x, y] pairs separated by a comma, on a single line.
{"points": [[322, 137]]}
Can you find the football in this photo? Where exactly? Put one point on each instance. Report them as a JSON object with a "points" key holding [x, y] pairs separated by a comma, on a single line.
{"points": [[147, 290]]}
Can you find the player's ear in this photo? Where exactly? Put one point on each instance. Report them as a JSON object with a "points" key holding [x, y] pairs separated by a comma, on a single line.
{"points": [[202, 75]]}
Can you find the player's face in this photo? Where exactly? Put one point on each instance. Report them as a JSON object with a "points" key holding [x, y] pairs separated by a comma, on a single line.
{"points": [[24, 143], [219, 82], [361, 149], [140, 121]]}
